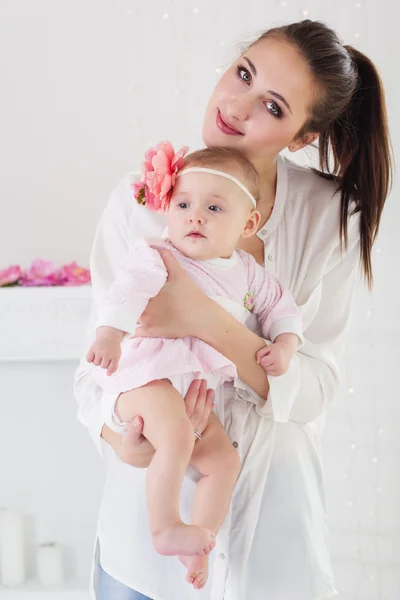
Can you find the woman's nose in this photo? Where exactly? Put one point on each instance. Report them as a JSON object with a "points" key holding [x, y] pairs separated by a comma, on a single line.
{"points": [[238, 108]]}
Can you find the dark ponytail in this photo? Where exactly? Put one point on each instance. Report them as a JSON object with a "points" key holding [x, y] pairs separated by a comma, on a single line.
{"points": [[350, 117], [361, 153]]}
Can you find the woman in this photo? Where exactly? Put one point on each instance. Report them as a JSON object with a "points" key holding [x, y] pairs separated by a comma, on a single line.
{"points": [[293, 85]]}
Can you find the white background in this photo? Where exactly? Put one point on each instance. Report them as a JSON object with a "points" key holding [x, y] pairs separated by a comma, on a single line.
{"points": [[86, 86]]}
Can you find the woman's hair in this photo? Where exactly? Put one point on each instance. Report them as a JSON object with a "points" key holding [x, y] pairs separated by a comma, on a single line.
{"points": [[228, 159], [350, 117]]}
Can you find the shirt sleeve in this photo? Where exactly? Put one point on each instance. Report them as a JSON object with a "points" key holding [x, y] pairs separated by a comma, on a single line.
{"points": [[312, 380], [273, 305], [109, 249], [139, 278]]}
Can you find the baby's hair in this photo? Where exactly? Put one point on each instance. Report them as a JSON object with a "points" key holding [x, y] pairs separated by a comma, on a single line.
{"points": [[232, 161]]}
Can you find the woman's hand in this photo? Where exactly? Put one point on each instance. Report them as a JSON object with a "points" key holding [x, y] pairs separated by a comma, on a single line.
{"points": [[179, 310], [134, 449]]}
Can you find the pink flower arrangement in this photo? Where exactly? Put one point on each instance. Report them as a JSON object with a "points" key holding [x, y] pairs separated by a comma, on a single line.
{"points": [[45, 273], [76, 275], [41, 273], [159, 172], [10, 276]]}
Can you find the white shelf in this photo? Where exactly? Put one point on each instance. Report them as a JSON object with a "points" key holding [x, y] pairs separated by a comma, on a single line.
{"points": [[35, 592], [43, 323]]}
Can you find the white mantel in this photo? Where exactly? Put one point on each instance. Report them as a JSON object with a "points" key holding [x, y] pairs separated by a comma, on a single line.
{"points": [[42, 333], [43, 323]]}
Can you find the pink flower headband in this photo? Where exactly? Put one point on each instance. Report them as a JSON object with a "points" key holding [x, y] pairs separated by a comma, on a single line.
{"points": [[160, 170]]}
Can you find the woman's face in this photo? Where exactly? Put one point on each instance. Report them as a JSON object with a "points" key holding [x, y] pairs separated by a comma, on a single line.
{"points": [[261, 102]]}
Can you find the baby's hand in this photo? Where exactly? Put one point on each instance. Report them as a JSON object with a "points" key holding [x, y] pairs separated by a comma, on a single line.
{"points": [[105, 352], [275, 358]]}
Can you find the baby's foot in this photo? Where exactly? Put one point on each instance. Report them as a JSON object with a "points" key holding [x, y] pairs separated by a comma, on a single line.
{"points": [[197, 570], [190, 540]]}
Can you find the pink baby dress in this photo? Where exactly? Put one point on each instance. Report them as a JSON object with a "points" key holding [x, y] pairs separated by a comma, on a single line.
{"points": [[238, 283]]}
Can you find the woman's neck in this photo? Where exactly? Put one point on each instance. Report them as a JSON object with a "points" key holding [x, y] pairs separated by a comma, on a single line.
{"points": [[267, 170], [267, 174]]}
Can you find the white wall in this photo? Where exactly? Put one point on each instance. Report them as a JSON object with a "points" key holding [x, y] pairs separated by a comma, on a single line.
{"points": [[86, 86], [49, 468]]}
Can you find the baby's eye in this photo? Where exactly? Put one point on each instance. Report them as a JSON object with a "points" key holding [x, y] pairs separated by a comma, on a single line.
{"points": [[214, 208], [183, 205]]}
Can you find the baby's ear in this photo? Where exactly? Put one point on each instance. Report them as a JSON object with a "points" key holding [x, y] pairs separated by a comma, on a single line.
{"points": [[252, 224]]}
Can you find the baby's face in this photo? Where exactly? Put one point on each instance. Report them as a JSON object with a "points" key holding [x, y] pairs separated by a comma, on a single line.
{"points": [[207, 215]]}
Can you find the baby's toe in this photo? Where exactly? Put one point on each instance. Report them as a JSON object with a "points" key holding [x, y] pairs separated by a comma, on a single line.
{"points": [[199, 582]]}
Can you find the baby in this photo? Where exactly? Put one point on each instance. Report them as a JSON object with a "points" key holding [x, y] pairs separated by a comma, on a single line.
{"points": [[211, 199]]}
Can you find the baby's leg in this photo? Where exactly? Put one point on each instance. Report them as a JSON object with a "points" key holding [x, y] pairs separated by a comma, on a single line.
{"points": [[219, 463], [168, 428], [215, 457]]}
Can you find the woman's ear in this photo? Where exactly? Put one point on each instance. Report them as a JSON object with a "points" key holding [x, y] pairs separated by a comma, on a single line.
{"points": [[252, 224], [306, 140]]}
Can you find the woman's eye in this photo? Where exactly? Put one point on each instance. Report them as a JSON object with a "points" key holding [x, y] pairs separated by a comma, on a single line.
{"points": [[244, 74], [273, 108]]}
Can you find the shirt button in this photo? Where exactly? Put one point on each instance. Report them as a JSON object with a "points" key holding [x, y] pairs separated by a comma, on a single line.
{"points": [[270, 257], [264, 231], [222, 556], [235, 444]]}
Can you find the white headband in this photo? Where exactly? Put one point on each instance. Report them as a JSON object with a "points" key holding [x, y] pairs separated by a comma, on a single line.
{"points": [[221, 174]]}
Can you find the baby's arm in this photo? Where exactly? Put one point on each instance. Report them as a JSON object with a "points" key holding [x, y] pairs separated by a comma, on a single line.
{"points": [[139, 279], [105, 352], [279, 318]]}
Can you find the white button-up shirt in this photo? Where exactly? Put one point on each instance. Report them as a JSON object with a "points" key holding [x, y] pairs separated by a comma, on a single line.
{"points": [[273, 544]]}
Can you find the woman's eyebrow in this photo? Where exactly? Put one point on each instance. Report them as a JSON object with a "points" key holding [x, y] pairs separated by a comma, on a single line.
{"points": [[275, 94]]}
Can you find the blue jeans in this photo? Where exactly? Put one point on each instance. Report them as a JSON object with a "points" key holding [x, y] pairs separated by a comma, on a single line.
{"points": [[111, 589]]}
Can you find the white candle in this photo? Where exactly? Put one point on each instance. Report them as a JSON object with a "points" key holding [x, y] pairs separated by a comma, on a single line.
{"points": [[49, 565], [12, 548]]}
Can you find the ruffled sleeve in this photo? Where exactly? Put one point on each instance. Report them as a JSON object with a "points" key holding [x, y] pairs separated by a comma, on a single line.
{"points": [[139, 278]]}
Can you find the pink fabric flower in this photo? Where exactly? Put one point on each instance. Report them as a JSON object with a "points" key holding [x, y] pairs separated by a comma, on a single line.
{"points": [[42, 273], [159, 169], [248, 301], [76, 275], [10, 276]]}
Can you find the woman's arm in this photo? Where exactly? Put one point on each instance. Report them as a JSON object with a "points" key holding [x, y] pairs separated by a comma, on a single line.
{"points": [[222, 331], [315, 367], [312, 379], [181, 309]]}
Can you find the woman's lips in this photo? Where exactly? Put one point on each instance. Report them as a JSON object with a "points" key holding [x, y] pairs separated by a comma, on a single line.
{"points": [[225, 127]]}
